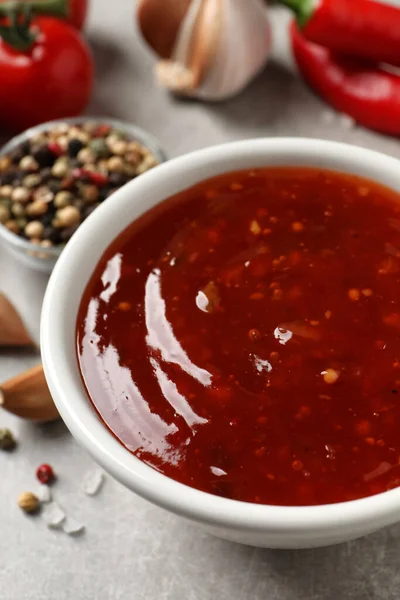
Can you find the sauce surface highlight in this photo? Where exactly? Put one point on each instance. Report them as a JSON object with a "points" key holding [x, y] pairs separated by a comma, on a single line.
{"points": [[243, 337]]}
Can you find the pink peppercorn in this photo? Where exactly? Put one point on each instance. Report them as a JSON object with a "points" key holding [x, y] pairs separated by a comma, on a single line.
{"points": [[45, 474]]}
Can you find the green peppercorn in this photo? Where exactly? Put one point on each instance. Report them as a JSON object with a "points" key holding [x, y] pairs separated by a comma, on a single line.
{"points": [[18, 209], [4, 213], [63, 198], [21, 223], [99, 148], [7, 440], [32, 180], [5, 202]]}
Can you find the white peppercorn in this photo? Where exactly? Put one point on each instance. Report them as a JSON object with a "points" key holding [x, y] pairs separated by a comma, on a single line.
{"points": [[86, 156], [147, 163], [119, 147], [63, 198], [20, 194], [6, 191], [36, 208], [60, 168], [78, 134], [12, 225], [28, 502], [115, 163], [28, 163], [68, 216], [18, 209], [34, 229], [43, 193]]}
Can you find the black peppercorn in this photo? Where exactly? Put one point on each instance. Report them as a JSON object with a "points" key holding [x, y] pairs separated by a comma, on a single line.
{"points": [[68, 232], [87, 210], [52, 234], [53, 185], [26, 147], [45, 174], [44, 156], [18, 177], [104, 192], [48, 217], [74, 146], [16, 155], [118, 179], [7, 178]]}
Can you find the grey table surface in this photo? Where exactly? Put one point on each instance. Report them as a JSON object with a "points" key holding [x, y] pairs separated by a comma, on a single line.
{"points": [[132, 550]]}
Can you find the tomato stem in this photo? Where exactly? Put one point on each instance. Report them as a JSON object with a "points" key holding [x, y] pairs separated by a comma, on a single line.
{"points": [[17, 32], [57, 8]]}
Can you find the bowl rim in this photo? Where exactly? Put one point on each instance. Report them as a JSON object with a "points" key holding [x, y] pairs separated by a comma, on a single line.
{"points": [[136, 132], [62, 371]]}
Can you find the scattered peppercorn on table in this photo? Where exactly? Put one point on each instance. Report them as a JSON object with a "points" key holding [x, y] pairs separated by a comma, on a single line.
{"points": [[131, 549]]}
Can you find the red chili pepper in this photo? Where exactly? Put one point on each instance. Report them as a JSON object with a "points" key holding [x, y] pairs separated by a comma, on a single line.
{"points": [[353, 86], [363, 28]]}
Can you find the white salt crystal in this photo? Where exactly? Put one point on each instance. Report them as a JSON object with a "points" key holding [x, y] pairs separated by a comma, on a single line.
{"points": [[347, 122], [93, 482], [53, 515], [328, 116], [44, 494], [72, 527]]}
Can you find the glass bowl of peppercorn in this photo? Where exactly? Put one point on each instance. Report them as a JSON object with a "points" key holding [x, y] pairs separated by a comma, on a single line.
{"points": [[54, 175]]}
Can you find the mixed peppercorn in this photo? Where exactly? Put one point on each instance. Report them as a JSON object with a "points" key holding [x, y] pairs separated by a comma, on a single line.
{"points": [[53, 181]]}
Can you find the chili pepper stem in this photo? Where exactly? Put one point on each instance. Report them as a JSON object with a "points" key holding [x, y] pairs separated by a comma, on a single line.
{"points": [[57, 8], [303, 9]]}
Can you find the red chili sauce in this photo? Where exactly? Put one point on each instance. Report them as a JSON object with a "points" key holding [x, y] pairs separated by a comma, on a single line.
{"points": [[243, 337]]}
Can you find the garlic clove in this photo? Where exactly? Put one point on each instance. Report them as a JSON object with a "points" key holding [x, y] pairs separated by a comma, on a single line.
{"points": [[243, 51], [27, 395], [12, 329], [159, 22], [196, 44], [220, 45]]}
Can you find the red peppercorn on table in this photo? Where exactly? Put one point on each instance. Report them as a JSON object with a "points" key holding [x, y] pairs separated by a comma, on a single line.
{"points": [[130, 549]]}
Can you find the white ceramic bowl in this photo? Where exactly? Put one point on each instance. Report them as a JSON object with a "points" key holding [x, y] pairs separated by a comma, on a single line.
{"points": [[270, 526]]}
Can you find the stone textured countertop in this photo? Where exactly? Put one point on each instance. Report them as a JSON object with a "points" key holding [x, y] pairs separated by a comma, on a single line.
{"points": [[132, 550]]}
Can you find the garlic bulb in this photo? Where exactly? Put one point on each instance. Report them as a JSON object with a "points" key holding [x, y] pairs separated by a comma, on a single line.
{"points": [[209, 49]]}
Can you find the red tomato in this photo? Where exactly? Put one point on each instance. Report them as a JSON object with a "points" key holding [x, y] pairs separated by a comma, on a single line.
{"points": [[52, 80], [76, 9]]}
